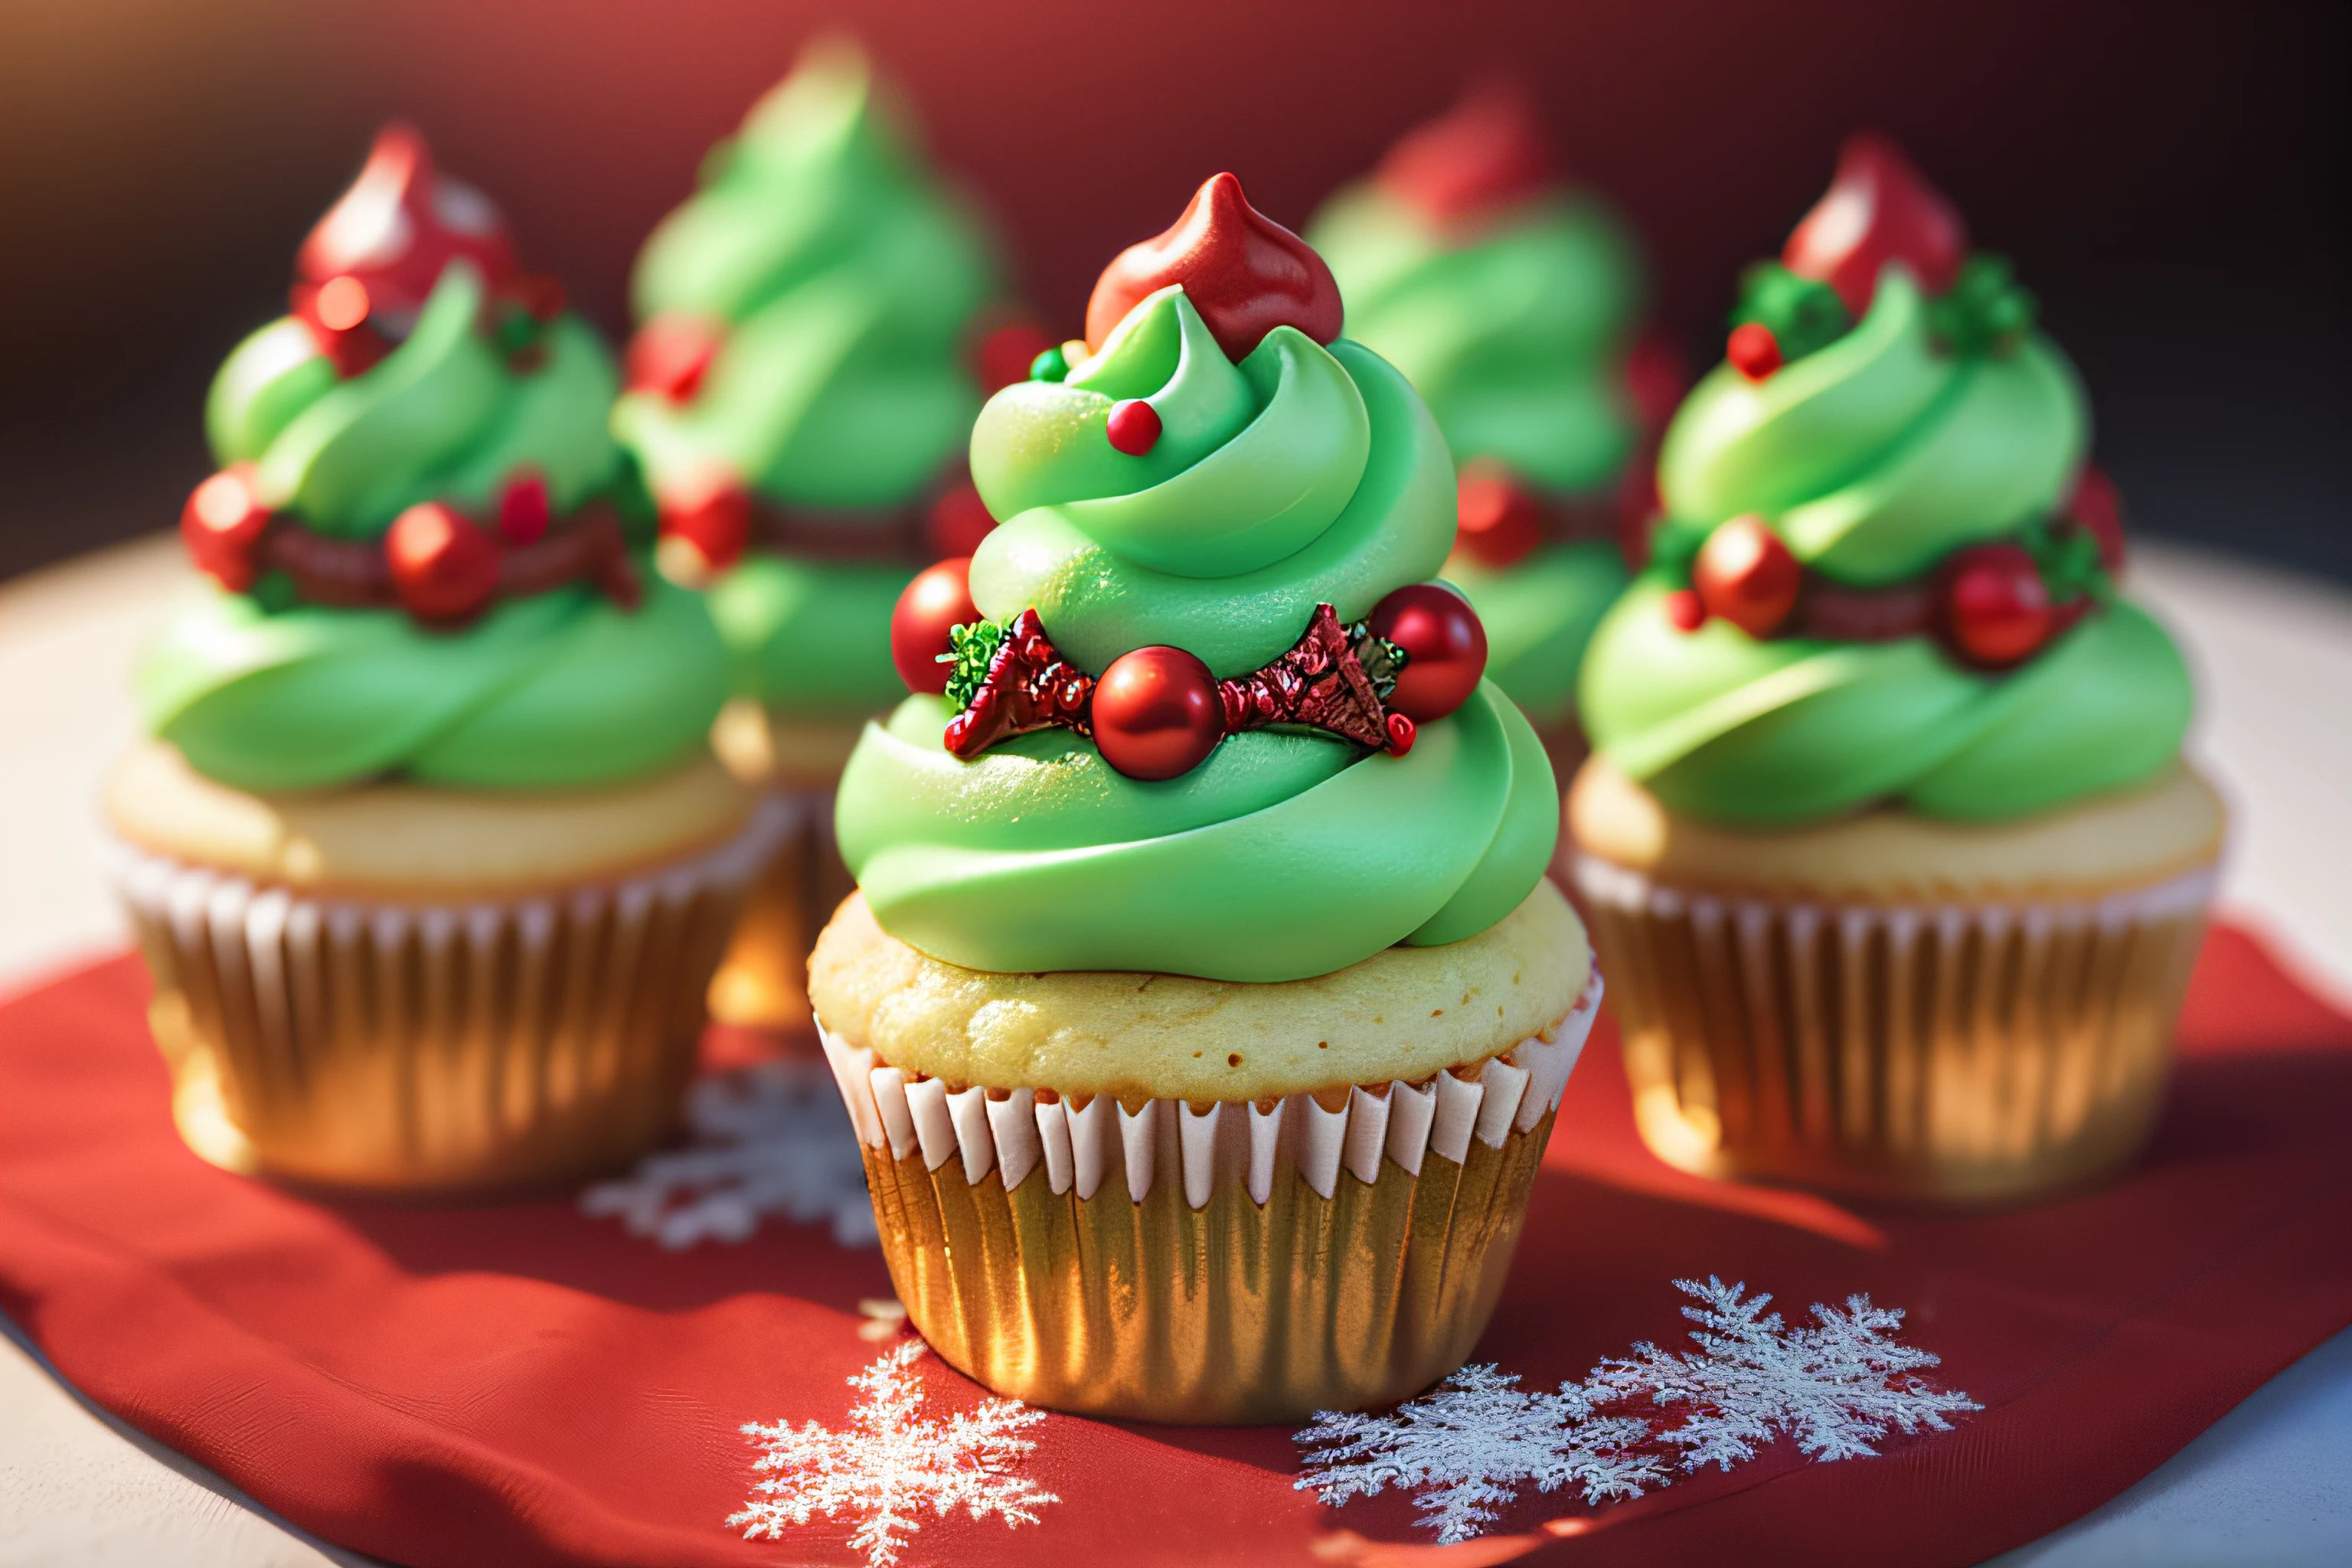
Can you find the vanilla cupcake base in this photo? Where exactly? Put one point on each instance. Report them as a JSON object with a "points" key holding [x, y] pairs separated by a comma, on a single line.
{"points": [[1219, 1262], [533, 1026], [1899, 1009]]}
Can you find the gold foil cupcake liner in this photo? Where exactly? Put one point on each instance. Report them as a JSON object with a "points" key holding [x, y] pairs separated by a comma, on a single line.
{"points": [[1961, 1053], [406, 1047], [1225, 1262], [763, 981]]}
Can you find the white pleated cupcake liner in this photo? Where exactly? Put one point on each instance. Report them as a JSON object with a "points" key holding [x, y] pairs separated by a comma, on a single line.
{"points": [[1017, 1133]]}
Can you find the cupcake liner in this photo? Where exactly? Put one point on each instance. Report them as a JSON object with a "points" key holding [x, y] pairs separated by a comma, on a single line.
{"points": [[1964, 1053], [402, 1046], [763, 981], [1225, 1262]]}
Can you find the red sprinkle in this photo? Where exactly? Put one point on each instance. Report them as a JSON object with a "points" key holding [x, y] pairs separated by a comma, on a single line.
{"points": [[1134, 426], [1753, 351], [1402, 733], [523, 509], [1686, 611]]}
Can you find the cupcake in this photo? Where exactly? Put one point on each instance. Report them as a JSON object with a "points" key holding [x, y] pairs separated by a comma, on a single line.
{"points": [[1886, 838], [424, 843], [816, 321], [1204, 1005], [1513, 301]]}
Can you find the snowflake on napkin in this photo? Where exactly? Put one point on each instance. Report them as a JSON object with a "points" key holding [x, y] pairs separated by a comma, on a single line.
{"points": [[1834, 1385], [770, 1138], [891, 1462]]}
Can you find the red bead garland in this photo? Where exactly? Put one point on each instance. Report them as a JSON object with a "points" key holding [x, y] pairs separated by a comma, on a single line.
{"points": [[222, 525], [1991, 607], [1156, 713], [935, 602], [524, 509], [1497, 523], [1747, 576], [443, 567], [1444, 645]]}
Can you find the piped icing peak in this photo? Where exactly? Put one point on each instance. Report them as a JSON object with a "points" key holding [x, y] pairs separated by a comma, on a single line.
{"points": [[394, 230], [1879, 208], [1485, 155], [1244, 272]]}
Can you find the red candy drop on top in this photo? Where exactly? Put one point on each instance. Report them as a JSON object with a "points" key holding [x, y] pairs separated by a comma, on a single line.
{"points": [[443, 567], [670, 354], [2098, 508], [1156, 713], [1485, 155], [957, 521], [1992, 607], [938, 599], [1134, 427], [1753, 351], [1244, 272], [221, 525], [1878, 209], [400, 224], [1745, 574], [716, 520], [1444, 646], [1497, 523]]}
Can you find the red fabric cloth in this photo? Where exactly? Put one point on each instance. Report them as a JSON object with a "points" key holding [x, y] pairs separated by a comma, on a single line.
{"points": [[520, 1384]]}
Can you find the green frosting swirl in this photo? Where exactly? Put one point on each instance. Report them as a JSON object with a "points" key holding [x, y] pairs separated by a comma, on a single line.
{"points": [[1515, 334], [846, 278], [560, 689], [1303, 475], [1873, 458]]}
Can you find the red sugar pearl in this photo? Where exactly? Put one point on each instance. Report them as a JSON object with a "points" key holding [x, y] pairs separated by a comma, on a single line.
{"points": [[1134, 426]]}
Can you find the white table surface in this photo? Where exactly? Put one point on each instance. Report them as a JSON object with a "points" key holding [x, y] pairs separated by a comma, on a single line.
{"points": [[2271, 1484]]}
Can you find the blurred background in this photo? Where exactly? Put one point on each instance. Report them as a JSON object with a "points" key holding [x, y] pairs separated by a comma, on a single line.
{"points": [[2171, 178]]}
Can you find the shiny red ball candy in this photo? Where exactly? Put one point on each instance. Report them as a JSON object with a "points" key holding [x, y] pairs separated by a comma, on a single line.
{"points": [[1991, 607], [1745, 574], [937, 601], [716, 522], [222, 525], [1444, 646], [1134, 426], [1753, 351], [443, 567], [1497, 523], [1156, 713]]}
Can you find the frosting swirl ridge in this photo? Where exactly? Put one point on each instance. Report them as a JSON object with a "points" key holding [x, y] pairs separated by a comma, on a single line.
{"points": [[1302, 474]]}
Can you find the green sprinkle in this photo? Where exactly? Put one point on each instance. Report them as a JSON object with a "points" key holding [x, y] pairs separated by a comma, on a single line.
{"points": [[1051, 366]]}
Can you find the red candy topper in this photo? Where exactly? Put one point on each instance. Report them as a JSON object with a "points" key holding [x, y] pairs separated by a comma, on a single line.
{"points": [[368, 267], [1244, 272], [1878, 209], [1487, 154]]}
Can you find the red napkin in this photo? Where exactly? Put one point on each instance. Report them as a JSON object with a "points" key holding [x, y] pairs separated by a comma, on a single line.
{"points": [[521, 1384]]}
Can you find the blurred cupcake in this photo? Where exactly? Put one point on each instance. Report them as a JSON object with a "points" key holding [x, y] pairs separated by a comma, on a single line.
{"points": [[1886, 838], [1204, 1005], [819, 319], [426, 848], [1513, 301]]}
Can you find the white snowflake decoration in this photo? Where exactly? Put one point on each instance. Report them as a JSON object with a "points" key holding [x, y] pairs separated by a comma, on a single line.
{"points": [[1473, 1441], [770, 1138], [891, 1462], [1834, 1386], [1469, 1445]]}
